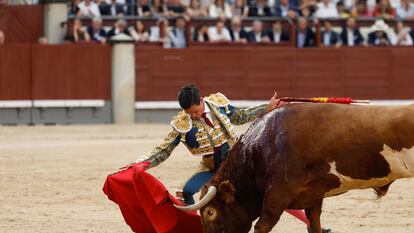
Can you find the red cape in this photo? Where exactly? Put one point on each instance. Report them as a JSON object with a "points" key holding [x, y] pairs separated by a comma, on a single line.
{"points": [[146, 204]]}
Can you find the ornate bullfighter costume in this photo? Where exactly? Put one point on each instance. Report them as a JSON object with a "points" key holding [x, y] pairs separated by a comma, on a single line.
{"points": [[209, 137]]}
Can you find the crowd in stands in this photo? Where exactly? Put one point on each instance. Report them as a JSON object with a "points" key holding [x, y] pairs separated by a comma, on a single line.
{"points": [[403, 9]]}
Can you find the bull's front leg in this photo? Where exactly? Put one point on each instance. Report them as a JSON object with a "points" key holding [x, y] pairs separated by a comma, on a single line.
{"points": [[273, 206], [314, 216]]}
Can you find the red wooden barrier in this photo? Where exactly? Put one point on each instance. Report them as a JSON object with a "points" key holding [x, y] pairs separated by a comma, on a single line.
{"points": [[254, 72]]}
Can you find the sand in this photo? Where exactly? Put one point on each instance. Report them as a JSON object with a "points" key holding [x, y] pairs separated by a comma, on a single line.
{"points": [[51, 180]]}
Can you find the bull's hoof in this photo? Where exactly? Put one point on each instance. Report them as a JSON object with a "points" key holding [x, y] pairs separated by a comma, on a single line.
{"points": [[324, 230]]}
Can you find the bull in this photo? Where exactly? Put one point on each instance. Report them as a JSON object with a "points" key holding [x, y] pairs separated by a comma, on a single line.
{"points": [[297, 155]]}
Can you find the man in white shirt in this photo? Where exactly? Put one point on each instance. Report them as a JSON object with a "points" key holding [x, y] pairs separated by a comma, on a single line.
{"points": [[257, 35], [326, 9], [219, 33], [89, 8]]}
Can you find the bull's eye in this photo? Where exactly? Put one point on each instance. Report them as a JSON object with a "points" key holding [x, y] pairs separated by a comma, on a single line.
{"points": [[209, 214]]}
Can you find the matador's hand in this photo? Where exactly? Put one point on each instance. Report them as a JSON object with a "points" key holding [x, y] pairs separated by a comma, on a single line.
{"points": [[272, 102]]}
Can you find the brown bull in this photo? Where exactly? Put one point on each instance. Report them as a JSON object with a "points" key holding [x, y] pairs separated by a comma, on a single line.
{"points": [[295, 156]]}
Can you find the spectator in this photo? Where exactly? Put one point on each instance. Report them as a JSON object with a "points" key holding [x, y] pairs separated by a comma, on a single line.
{"points": [[175, 8], [2, 38], [237, 33], [285, 9], [79, 33], [378, 36], [342, 13], [384, 10], [406, 10], [259, 9], [73, 7], [195, 10], [219, 33], [88, 8], [43, 41], [178, 35], [219, 9], [350, 35], [257, 35], [201, 34], [277, 34], [112, 9], [120, 26], [96, 32], [162, 34], [138, 32], [159, 8], [403, 37], [328, 36], [305, 37], [360, 9], [307, 8], [326, 9], [240, 8]]}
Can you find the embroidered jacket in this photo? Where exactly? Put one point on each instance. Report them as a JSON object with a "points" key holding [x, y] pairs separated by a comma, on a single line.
{"points": [[200, 138]]}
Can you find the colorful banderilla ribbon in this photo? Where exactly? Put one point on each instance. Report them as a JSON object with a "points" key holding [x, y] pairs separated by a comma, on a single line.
{"points": [[325, 100]]}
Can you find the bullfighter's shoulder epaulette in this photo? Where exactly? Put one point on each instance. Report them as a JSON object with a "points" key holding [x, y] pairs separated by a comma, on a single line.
{"points": [[182, 122], [217, 99]]}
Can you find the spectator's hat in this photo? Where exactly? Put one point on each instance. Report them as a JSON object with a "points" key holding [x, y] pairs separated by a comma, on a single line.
{"points": [[379, 25]]}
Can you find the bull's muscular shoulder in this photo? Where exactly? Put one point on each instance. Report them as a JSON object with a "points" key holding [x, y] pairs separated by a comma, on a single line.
{"points": [[217, 99], [182, 122]]}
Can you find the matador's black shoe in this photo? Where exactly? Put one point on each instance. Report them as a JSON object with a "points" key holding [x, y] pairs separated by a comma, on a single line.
{"points": [[324, 230]]}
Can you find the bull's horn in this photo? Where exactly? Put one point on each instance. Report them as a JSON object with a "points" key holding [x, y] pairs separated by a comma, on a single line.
{"points": [[206, 199]]}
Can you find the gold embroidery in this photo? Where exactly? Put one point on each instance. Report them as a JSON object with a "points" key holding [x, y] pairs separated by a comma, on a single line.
{"points": [[182, 122], [218, 99]]}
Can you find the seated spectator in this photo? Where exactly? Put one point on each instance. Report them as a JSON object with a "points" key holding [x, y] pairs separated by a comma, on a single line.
{"points": [[350, 35], [286, 9], [2, 38], [79, 33], [342, 12], [96, 32], [201, 34], [195, 10], [406, 10], [159, 8], [219, 33], [360, 9], [384, 10], [138, 32], [305, 37], [403, 37], [43, 41], [73, 7], [307, 8], [326, 9], [378, 36], [237, 33], [178, 35], [240, 8], [219, 9], [112, 9], [88, 8], [259, 9], [277, 34], [162, 34], [120, 26], [257, 34], [328, 36], [175, 8]]}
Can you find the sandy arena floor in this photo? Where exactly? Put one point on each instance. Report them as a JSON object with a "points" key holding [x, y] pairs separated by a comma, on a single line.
{"points": [[51, 180]]}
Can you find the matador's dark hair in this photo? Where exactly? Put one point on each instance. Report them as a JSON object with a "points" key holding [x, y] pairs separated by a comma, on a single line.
{"points": [[188, 96]]}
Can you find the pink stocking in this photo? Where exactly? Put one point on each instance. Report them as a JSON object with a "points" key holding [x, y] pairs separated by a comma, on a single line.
{"points": [[299, 214]]}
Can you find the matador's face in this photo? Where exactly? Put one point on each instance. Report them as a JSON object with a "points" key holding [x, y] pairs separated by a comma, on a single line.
{"points": [[195, 111]]}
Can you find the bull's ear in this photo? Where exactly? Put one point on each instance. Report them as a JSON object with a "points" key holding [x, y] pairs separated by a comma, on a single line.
{"points": [[227, 191]]}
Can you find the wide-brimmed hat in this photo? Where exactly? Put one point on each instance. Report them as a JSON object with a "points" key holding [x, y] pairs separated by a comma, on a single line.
{"points": [[379, 25]]}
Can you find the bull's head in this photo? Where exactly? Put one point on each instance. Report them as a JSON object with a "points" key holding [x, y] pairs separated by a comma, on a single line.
{"points": [[220, 212]]}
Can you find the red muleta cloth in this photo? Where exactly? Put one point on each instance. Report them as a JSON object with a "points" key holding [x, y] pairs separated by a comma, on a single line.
{"points": [[146, 205]]}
